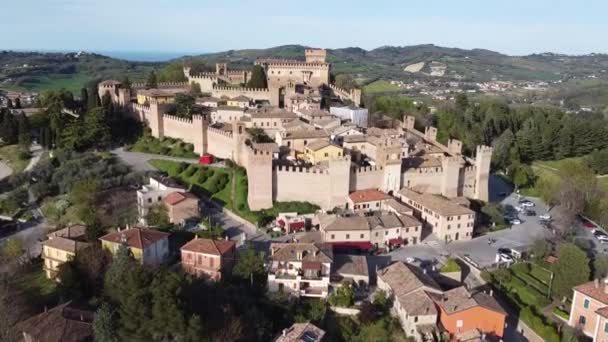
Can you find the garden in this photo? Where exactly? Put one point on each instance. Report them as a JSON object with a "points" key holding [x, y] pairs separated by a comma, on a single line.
{"points": [[166, 146]]}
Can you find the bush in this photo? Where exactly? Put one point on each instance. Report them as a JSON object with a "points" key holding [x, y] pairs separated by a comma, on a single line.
{"points": [[539, 324], [450, 266]]}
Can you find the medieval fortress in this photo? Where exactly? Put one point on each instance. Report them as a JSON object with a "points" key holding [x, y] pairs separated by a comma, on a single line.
{"points": [[317, 156]]}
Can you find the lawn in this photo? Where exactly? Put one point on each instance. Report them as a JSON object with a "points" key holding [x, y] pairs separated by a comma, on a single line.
{"points": [[166, 146], [217, 184], [15, 156], [548, 169], [71, 82], [380, 86]]}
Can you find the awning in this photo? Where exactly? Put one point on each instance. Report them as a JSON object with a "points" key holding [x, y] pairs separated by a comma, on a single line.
{"points": [[281, 223], [296, 225], [395, 242], [363, 245]]}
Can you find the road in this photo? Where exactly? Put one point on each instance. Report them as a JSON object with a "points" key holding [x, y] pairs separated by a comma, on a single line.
{"points": [[139, 161]]}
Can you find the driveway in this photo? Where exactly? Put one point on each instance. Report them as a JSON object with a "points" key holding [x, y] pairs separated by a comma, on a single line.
{"points": [[139, 161]]}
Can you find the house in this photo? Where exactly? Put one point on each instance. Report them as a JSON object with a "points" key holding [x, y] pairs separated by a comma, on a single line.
{"points": [[338, 133], [211, 102], [211, 259], [411, 289], [300, 269], [152, 194], [301, 332], [227, 114], [353, 268], [61, 247], [463, 313], [321, 150], [148, 246], [297, 140], [367, 200], [63, 323], [447, 219], [160, 95], [239, 101], [589, 310], [358, 116], [181, 206]]}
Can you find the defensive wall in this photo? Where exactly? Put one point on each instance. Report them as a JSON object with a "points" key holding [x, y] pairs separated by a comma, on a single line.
{"points": [[354, 95]]}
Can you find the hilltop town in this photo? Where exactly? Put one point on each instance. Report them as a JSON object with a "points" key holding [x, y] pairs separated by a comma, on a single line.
{"points": [[267, 203]]}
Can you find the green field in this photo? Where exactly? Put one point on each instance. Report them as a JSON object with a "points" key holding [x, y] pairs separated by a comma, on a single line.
{"points": [[71, 82], [548, 170], [380, 86]]}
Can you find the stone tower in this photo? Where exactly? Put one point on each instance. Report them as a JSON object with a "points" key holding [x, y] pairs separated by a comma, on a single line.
{"points": [[455, 147], [391, 178], [238, 142], [155, 119], [483, 158], [450, 177], [201, 124], [259, 179], [339, 181], [315, 55]]}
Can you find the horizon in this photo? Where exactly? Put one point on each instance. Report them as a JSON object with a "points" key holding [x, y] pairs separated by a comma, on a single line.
{"points": [[515, 29]]}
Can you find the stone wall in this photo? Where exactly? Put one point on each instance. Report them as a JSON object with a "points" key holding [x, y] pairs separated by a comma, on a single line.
{"points": [[369, 177]]}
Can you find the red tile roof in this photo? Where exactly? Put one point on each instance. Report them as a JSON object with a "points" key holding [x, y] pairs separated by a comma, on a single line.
{"points": [[208, 246], [596, 290], [177, 197], [368, 195], [139, 238]]}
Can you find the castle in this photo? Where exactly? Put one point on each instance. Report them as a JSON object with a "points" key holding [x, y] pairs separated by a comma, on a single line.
{"points": [[384, 159]]}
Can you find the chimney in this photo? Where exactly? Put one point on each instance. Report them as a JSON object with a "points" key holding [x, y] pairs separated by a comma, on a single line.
{"points": [[596, 283], [226, 237], [606, 286], [284, 332], [491, 293], [195, 237], [82, 317]]}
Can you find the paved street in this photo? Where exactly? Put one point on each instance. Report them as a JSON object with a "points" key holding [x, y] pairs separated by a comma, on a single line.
{"points": [[139, 161]]}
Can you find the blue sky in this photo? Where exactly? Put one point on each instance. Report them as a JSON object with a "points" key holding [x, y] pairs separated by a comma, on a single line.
{"points": [[511, 26]]}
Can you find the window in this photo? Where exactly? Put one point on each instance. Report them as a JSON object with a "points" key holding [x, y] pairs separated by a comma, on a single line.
{"points": [[386, 232], [582, 320], [149, 200], [326, 154], [606, 327], [415, 319], [376, 233], [449, 226], [361, 236], [397, 230], [377, 204], [333, 236], [586, 304], [347, 236]]}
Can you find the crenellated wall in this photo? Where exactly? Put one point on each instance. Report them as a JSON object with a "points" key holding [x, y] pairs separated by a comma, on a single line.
{"points": [[353, 95], [369, 177]]}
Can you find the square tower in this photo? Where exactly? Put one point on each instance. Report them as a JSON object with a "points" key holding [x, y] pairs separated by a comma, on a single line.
{"points": [[315, 55]]}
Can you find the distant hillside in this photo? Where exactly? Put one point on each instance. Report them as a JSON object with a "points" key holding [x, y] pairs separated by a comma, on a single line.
{"points": [[389, 62], [39, 71], [36, 71]]}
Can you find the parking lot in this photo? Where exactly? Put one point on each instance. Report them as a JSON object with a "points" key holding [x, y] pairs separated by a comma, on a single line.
{"points": [[482, 250]]}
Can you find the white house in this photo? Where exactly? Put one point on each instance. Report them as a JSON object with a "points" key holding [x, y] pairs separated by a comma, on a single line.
{"points": [[153, 193], [356, 115]]}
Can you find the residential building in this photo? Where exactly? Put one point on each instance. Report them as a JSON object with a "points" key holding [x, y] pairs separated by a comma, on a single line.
{"points": [[227, 114], [448, 220], [322, 150], [63, 323], [181, 206], [301, 332], [358, 116], [211, 102], [300, 269], [297, 141], [353, 268], [211, 259], [239, 101], [61, 247], [148, 246], [463, 313], [367, 200], [589, 310], [410, 289], [152, 194], [159, 95]]}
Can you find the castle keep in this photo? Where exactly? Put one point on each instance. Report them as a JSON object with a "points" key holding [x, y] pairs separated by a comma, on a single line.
{"points": [[373, 158]]}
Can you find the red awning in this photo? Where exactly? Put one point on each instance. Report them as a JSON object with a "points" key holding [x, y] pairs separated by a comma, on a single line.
{"points": [[364, 245], [395, 241], [297, 225], [281, 223]]}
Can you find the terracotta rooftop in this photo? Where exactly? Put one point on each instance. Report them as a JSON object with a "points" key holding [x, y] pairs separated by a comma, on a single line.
{"points": [[320, 144], [368, 195], [177, 197], [63, 323], [438, 204], [344, 223], [306, 134], [602, 312], [301, 332], [272, 113], [384, 220], [460, 299], [208, 246], [139, 238], [75, 231], [310, 252], [240, 98], [351, 265], [597, 290], [66, 245]]}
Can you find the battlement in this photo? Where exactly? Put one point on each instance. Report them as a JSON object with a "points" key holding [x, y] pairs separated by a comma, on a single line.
{"points": [[366, 169], [177, 118], [315, 55], [294, 64], [470, 168], [300, 169], [161, 85], [451, 160], [484, 150], [241, 90], [219, 132], [198, 117], [203, 76], [141, 107], [354, 94]]}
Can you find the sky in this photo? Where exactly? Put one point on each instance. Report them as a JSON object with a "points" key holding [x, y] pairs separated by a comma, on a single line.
{"points": [[515, 27]]}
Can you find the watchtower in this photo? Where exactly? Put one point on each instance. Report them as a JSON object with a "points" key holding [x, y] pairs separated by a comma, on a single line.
{"points": [[315, 55], [221, 68], [259, 179], [483, 158], [450, 177], [339, 181]]}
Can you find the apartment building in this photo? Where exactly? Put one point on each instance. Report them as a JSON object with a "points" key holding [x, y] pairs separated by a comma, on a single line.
{"points": [[61, 247], [300, 269], [181, 206], [148, 246], [447, 219], [367, 200], [589, 310]]}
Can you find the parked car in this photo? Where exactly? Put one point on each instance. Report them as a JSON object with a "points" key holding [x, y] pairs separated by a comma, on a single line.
{"points": [[504, 251], [602, 238], [530, 212], [527, 204], [519, 209], [515, 221], [546, 217], [503, 257]]}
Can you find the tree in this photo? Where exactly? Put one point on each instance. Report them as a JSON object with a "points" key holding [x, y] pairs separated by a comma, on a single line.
{"points": [[577, 189], [184, 105], [25, 137], [501, 156], [13, 248], [541, 248], [97, 129], [195, 89], [152, 81], [345, 81], [126, 82], [158, 217], [105, 325], [17, 103], [258, 78], [343, 296], [122, 263], [522, 175], [250, 267], [600, 266], [83, 196], [571, 269], [462, 102], [84, 99]]}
